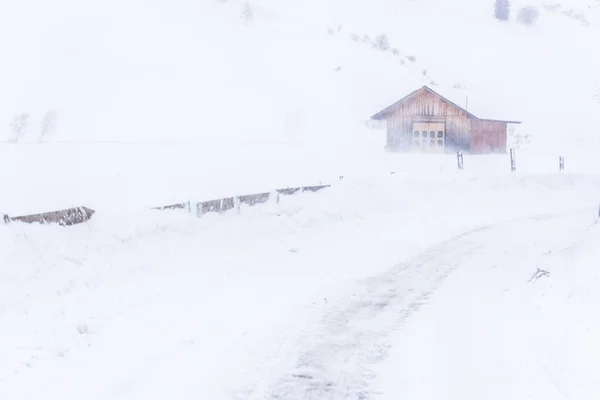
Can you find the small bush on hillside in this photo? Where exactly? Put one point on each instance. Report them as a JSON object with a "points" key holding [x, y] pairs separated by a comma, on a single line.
{"points": [[528, 15], [246, 13], [395, 52], [411, 58], [502, 10], [382, 42]]}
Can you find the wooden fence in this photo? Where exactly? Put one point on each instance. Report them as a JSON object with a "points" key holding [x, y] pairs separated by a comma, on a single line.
{"points": [[230, 203], [78, 215], [67, 217]]}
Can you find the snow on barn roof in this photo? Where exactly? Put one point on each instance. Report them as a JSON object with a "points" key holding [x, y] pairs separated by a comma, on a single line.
{"points": [[480, 111]]}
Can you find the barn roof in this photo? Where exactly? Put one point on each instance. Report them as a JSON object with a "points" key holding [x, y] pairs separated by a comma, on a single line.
{"points": [[381, 115]]}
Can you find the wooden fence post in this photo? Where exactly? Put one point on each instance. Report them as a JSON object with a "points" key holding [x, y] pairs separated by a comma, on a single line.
{"points": [[461, 164], [237, 204], [561, 163], [513, 161]]}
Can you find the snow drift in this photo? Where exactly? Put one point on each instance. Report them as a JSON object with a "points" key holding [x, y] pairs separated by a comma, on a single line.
{"points": [[167, 303]]}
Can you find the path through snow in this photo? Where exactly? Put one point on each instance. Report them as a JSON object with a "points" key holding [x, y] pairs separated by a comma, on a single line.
{"points": [[340, 360]]}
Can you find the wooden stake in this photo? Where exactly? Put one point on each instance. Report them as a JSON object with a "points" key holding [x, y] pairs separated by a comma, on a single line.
{"points": [[513, 161]]}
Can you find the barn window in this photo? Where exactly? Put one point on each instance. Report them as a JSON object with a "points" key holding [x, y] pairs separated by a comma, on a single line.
{"points": [[440, 134], [432, 143], [424, 133], [416, 143], [440, 143], [416, 134], [432, 134]]}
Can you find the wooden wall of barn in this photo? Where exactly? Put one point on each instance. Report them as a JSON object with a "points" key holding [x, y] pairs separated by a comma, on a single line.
{"points": [[488, 136], [427, 107]]}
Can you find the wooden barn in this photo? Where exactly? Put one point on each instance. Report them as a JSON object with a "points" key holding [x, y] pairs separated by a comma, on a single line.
{"points": [[425, 121]]}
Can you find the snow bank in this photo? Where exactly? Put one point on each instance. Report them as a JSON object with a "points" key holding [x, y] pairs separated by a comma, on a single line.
{"points": [[128, 305], [496, 330], [567, 324]]}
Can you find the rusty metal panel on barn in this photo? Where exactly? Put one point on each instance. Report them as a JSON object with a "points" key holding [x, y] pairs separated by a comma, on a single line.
{"points": [[488, 137]]}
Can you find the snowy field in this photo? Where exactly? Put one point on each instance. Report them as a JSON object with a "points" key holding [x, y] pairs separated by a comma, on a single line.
{"points": [[119, 178], [407, 279], [289, 300], [192, 101]]}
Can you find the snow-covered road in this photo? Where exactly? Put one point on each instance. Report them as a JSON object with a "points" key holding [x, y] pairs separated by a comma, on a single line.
{"points": [[320, 296], [496, 331], [449, 323]]}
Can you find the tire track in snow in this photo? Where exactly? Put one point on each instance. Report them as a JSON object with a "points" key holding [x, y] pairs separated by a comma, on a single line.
{"points": [[335, 365]]}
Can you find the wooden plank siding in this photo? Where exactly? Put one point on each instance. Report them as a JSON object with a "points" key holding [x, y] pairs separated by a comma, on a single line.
{"points": [[463, 130], [488, 136], [427, 107]]}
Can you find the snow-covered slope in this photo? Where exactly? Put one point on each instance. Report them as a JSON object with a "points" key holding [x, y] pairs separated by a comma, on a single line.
{"points": [[194, 100], [278, 99], [498, 329], [195, 70], [166, 305]]}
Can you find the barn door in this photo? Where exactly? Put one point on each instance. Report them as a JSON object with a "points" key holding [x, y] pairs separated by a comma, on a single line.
{"points": [[429, 137]]}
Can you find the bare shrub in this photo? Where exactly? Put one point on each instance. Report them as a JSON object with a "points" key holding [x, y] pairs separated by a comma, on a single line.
{"points": [[48, 124], [528, 16], [502, 10], [18, 126], [246, 14], [382, 42]]}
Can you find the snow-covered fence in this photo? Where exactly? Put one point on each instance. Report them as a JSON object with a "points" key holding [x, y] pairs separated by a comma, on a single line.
{"points": [[230, 203], [67, 217]]}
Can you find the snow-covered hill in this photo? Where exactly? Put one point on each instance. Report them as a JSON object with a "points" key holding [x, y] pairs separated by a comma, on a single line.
{"points": [[196, 70], [405, 279], [238, 97]]}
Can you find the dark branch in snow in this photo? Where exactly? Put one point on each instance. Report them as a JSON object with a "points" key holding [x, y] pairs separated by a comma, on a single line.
{"points": [[538, 274]]}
